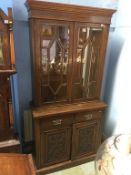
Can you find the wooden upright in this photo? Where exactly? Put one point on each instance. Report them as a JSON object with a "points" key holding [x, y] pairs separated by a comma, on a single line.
{"points": [[7, 68], [68, 52]]}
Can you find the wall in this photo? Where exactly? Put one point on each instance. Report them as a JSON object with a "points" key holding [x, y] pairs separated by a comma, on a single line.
{"points": [[5, 4], [23, 66], [22, 91], [118, 84]]}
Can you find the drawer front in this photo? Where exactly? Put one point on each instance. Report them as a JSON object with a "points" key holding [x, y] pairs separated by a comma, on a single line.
{"points": [[56, 122], [85, 116]]}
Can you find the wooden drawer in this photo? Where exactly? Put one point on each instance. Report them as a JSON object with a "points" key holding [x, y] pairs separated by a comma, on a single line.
{"points": [[56, 122], [85, 116]]}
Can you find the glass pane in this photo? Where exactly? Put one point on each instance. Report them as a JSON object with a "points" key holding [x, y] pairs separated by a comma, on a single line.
{"points": [[1, 50], [88, 50], [55, 57]]}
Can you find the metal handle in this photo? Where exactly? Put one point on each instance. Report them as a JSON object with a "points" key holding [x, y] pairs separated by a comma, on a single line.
{"points": [[57, 122], [100, 111], [88, 116]]}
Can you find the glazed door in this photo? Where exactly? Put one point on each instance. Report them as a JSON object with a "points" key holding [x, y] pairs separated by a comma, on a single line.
{"points": [[54, 61], [88, 60], [55, 146], [86, 138]]}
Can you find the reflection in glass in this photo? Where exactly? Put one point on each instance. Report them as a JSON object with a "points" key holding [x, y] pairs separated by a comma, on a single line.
{"points": [[88, 50], [54, 62], [1, 51]]}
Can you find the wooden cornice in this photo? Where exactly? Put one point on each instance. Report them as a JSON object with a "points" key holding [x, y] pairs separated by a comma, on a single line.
{"points": [[42, 9], [35, 4]]}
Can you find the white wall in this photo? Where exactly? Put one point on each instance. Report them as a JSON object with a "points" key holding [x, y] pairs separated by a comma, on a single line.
{"points": [[95, 3], [117, 90]]}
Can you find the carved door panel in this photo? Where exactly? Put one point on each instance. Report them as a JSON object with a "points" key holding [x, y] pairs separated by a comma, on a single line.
{"points": [[86, 138], [55, 146]]}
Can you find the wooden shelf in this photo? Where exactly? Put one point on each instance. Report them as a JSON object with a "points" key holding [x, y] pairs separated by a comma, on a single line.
{"points": [[9, 71], [10, 146], [46, 111], [9, 143]]}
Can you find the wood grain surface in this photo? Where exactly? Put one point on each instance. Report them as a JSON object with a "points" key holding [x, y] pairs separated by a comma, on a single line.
{"points": [[16, 164]]}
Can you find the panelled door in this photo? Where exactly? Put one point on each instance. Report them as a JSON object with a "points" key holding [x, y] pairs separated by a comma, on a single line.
{"points": [[55, 146], [85, 138]]}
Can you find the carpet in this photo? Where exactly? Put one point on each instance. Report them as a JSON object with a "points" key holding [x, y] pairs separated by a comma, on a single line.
{"points": [[84, 169]]}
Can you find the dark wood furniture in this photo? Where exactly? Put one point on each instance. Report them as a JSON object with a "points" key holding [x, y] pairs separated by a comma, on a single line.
{"points": [[67, 135], [10, 146], [11, 164], [7, 68], [68, 51]]}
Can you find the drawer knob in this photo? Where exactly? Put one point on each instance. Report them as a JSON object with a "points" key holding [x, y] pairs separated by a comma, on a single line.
{"points": [[88, 116], [57, 122]]}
